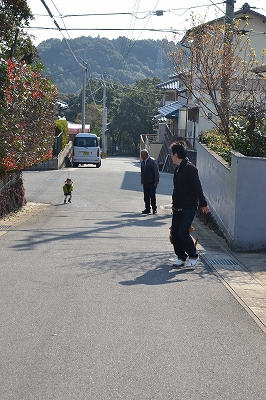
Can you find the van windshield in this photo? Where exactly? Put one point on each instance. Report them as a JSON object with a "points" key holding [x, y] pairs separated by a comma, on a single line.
{"points": [[85, 142]]}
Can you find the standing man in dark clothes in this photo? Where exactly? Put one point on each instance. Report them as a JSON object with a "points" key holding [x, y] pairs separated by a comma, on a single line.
{"points": [[187, 197], [149, 181]]}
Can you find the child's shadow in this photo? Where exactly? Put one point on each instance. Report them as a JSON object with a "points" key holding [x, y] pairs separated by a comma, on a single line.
{"points": [[157, 276]]}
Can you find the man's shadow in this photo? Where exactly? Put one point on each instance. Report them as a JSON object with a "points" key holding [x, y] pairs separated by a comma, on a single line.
{"points": [[159, 276]]}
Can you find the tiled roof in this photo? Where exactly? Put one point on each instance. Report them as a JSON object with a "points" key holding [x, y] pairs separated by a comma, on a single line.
{"points": [[172, 109], [172, 84]]}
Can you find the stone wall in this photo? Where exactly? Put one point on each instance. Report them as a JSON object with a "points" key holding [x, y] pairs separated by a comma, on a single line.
{"points": [[12, 193]]}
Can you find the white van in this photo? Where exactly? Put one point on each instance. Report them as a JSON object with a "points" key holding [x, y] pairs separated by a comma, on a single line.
{"points": [[86, 150]]}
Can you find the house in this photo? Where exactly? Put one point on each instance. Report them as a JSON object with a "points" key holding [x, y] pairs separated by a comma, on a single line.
{"points": [[74, 128], [247, 40], [182, 114]]}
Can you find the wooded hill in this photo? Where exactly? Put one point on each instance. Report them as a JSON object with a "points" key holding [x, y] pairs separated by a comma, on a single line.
{"points": [[118, 59]]}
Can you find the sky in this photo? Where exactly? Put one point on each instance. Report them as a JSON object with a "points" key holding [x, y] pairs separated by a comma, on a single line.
{"points": [[134, 19]]}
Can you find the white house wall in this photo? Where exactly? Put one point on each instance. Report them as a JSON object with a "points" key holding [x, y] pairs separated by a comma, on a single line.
{"points": [[256, 28]]}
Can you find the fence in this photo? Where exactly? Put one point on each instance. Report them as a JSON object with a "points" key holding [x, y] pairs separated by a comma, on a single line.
{"points": [[164, 159], [58, 144]]}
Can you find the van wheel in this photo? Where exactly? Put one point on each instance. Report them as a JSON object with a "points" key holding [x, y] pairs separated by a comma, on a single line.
{"points": [[98, 165], [75, 165]]}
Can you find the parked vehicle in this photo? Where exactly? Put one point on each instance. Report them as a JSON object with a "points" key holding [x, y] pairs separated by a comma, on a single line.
{"points": [[86, 150]]}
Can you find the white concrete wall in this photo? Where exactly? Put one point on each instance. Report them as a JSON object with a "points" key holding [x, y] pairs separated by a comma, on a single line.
{"points": [[249, 174], [155, 149], [236, 197], [215, 177]]}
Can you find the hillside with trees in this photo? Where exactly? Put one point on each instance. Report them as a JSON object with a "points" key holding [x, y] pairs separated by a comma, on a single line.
{"points": [[123, 60]]}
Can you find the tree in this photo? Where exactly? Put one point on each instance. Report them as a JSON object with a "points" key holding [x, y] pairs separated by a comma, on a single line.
{"points": [[248, 122], [208, 74], [126, 62], [134, 112], [130, 110], [14, 43], [93, 116]]}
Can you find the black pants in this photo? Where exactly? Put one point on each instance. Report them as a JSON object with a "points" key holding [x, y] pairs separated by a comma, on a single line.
{"points": [[68, 194], [182, 240], [149, 196]]}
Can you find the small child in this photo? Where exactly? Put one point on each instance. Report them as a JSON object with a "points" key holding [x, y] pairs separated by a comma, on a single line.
{"points": [[67, 189]]}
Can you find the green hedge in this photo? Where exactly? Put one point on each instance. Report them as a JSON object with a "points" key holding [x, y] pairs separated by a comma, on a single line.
{"points": [[62, 126], [216, 142]]}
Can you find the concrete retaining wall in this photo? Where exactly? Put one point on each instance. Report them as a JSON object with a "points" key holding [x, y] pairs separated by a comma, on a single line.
{"points": [[236, 197], [64, 159]]}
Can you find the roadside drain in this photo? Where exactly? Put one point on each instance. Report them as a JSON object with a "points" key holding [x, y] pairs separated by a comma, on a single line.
{"points": [[4, 227], [221, 261]]}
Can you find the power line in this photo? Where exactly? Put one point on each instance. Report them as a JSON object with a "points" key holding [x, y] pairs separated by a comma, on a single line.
{"points": [[217, 5], [134, 14], [108, 29], [123, 58], [60, 30]]}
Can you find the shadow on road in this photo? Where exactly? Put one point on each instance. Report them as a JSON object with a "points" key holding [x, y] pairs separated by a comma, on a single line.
{"points": [[158, 276]]}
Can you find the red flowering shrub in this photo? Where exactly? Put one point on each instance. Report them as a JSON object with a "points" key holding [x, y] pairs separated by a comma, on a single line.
{"points": [[27, 117], [27, 104]]}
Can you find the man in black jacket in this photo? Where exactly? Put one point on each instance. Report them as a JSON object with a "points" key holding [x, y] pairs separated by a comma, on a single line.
{"points": [[187, 197], [149, 181]]}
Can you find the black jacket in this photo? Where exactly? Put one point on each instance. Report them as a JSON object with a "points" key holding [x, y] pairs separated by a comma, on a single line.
{"points": [[150, 172], [187, 191]]}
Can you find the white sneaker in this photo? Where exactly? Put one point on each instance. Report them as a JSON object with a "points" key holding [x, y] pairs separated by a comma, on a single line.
{"points": [[178, 262], [192, 262]]}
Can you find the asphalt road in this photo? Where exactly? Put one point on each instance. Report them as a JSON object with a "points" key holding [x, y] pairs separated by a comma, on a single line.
{"points": [[91, 308]]}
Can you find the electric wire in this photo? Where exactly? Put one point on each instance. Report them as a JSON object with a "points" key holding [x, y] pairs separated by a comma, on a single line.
{"points": [[60, 30], [123, 59], [84, 64], [134, 14], [216, 5], [107, 29], [129, 29]]}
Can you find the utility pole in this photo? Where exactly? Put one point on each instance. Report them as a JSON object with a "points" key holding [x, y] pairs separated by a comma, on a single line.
{"points": [[85, 68], [229, 12], [227, 64], [104, 121]]}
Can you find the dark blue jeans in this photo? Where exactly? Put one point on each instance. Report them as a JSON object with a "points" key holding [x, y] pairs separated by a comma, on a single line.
{"points": [[149, 196], [182, 241]]}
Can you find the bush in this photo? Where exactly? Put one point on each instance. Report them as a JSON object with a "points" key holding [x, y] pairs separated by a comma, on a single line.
{"points": [[217, 142], [27, 117], [249, 142], [62, 126]]}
